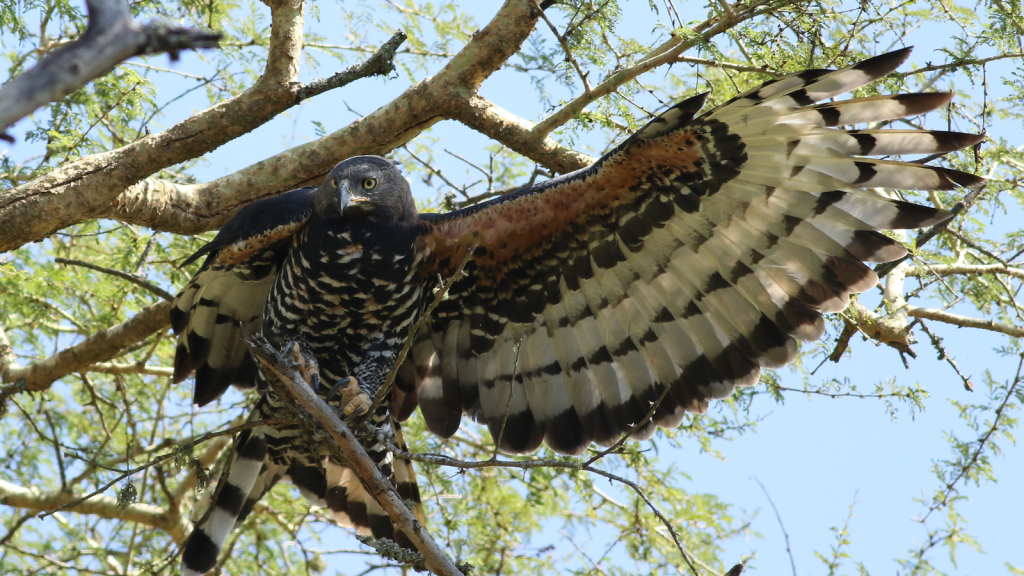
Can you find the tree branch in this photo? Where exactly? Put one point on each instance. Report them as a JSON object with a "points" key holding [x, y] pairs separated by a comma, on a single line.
{"points": [[99, 347], [381, 63], [102, 506], [964, 269], [190, 209], [110, 38], [281, 373], [965, 321], [137, 280], [88, 187], [664, 54]]}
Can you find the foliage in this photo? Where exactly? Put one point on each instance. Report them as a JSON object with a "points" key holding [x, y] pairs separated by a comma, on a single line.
{"points": [[106, 418]]}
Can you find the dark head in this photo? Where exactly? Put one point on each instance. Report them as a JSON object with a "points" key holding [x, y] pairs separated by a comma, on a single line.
{"points": [[366, 187]]}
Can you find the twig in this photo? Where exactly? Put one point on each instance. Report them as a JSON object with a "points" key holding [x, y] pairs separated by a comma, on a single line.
{"points": [[727, 66], [965, 321], [280, 372], [789, 549], [381, 63], [563, 42], [111, 37], [137, 280], [943, 355], [157, 460], [508, 405], [568, 464]]}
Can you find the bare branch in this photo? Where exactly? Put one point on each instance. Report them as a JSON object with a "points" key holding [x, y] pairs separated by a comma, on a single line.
{"points": [[137, 280], [102, 506], [965, 321], [789, 549], [190, 209], [110, 38], [88, 187], [99, 347], [113, 368], [964, 269], [381, 63], [727, 66], [280, 372], [520, 135], [884, 329]]}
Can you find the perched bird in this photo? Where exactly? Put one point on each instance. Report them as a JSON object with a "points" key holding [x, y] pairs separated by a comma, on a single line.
{"points": [[672, 270]]}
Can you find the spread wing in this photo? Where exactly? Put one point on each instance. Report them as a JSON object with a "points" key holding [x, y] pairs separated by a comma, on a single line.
{"points": [[688, 258], [242, 263]]}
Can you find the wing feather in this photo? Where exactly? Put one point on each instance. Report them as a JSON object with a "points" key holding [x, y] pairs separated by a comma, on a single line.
{"points": [[686, 259], [241, 266]]}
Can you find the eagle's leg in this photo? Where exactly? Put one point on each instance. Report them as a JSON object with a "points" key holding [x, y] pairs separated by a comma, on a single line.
{"points": [[303, 361], [354, 401], [358, 391]]}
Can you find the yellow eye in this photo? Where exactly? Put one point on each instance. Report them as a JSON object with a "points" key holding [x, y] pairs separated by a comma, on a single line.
{"points": [[369, 184], [334, 182]]}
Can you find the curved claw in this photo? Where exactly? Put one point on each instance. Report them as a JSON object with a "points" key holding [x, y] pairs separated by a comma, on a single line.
{"points": [[354, 402], [339, 385]]}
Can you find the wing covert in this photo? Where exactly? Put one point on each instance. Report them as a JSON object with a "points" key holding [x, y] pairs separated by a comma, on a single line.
{"points": [[241, 266], [687, 258]]}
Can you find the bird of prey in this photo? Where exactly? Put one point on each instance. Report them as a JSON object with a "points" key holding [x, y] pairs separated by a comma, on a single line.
{"points": [[696, 252]]}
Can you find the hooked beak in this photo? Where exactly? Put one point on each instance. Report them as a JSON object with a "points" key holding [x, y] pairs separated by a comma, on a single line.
{"points": [[346, 199], [344, 196]]}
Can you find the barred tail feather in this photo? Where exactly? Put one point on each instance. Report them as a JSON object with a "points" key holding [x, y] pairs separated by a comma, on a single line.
{"points": [[203, 547]]}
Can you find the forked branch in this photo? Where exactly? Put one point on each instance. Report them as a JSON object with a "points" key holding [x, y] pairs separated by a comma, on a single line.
{"points": [[110, 38]]}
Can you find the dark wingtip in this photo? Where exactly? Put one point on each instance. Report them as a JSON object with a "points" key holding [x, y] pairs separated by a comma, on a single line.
{"points": [[965, 179], [210, 385], [182, 364], [922, 103], [950, 141], [883, 64], [916, 216]]}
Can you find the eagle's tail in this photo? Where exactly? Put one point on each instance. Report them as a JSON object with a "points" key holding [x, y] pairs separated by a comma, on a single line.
{"points": [[248, 475], [351, 505], [263, 457]]}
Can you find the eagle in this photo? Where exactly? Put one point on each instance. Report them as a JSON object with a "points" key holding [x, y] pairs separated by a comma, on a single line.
{"points": [[600, 303]]}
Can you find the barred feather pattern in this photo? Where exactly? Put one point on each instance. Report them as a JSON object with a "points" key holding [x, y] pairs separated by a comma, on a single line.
{"points": [[264, 456], [688, 258], [350, 302]]}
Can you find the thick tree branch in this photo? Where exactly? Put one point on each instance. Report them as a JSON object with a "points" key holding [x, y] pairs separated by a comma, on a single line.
{"points": [[885, 329], [88, 187], [190, 209], [110, 38], [281, 373], [102, 506], [99, 347], [520, 135]]}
